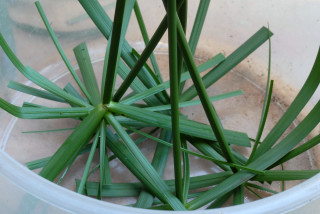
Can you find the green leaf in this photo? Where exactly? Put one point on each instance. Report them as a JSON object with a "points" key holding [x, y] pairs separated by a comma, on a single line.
{"points": [[194, 153], [159, 161], [137, 86], [105, 67], [163, 86], [141, 61], [105, 176], [146, 77], [132, 157], [191, 195], [73, 145], [183, 17], [299, 150], [260, 188], [266, 104], [121, 20], [294, 109], [207, 150], [230, 62], [27, 104], [130, 122], [196, 102], [71, 90], [196, 182], [61, 52], [198, 24], [85, 16], [197, 28], [37, 78], [35, 92], [186, 171], [263, 161], [36, 164], [187, 127], [254, 192], [112, 157], [219, 202], [165, 97], [264, 114], [174, 95], [114, 189], [44, 113], [238, 156], [85, 175], [86, 69], [238, 195], [63, 174], [104, 24], [146, 39], [42, 131], [142, 169], [202, 93], [285, 175]]}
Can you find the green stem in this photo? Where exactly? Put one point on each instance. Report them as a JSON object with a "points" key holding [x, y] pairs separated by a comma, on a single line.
{"points": [[104, 24], [105, 176], [196, 30], [146, 39], [238, 195], [85, 174], [186, 170], [174, 95], [142, 60], [202, 93], [61, 52], [266, 104], [183, 15], [115, 47]]}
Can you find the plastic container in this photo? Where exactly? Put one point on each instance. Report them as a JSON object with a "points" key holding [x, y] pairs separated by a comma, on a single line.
{"points": [[296, 27]]}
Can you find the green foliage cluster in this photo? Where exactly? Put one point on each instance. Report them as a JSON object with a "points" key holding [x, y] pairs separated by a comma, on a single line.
{"points": [[108, 119]]}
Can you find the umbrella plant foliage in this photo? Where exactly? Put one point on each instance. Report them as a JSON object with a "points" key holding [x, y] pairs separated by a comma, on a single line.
{"points": [[108, 119]]}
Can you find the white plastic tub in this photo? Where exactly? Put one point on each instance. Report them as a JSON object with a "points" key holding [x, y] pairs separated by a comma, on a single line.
{"points": [[296, 27]]}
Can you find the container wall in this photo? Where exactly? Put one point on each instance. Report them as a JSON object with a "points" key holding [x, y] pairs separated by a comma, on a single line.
{"points": [[295, 25]]}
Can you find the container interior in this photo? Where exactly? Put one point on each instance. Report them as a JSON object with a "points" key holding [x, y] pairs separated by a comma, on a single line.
{"points": [[294, 45]]}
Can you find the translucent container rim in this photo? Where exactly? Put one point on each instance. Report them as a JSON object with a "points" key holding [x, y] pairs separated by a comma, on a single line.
{"points": [[70, 201]]}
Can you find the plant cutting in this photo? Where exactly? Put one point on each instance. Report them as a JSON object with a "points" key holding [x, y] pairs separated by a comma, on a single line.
{"points": [[109, 117]]}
